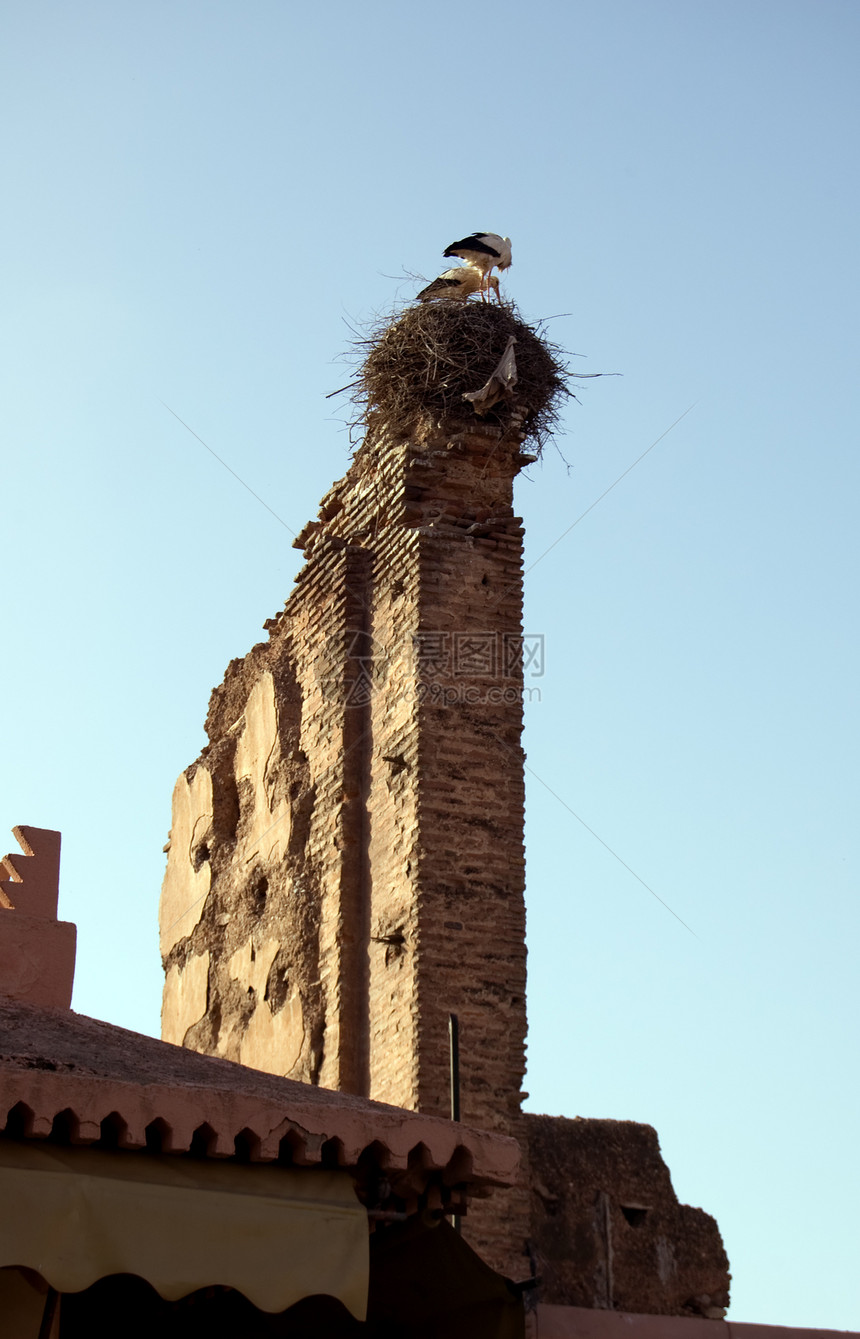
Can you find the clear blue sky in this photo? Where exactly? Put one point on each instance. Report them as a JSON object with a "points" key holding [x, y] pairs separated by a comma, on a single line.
{"points": [[198, 198]]}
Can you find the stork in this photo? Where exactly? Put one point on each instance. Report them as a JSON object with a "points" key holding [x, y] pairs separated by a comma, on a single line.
{"points": [[459, 284], [484, 251]]}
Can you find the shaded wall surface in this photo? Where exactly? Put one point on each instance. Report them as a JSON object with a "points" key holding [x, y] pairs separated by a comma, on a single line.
{"points": [[570, 1322], [607, 1229], [346, 864]]}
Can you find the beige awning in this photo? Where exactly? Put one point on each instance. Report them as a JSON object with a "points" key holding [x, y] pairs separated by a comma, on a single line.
{"points": [[275, 1234]]}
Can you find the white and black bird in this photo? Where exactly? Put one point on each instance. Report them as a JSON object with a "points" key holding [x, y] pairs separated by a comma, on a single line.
{"points": [[484, 251], [459, 284]]}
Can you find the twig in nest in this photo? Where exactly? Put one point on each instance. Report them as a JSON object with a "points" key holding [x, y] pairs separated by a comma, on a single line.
{"points": [[417, 369]]}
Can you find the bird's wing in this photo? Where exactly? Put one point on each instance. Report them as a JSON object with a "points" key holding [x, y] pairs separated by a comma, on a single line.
{"points": [[480, 244], [439, 287]]}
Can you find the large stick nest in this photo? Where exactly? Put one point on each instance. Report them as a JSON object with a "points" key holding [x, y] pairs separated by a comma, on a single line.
{"points": [[417, 369]]}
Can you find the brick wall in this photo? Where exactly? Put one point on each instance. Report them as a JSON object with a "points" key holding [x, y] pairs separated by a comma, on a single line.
{"points": [[346, 862]]}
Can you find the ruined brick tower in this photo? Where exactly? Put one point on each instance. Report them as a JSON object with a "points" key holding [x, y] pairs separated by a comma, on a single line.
{"points": [[346, 863]]}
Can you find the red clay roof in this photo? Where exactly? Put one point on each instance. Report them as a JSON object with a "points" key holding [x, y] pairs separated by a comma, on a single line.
{"points": [[96, 1078]]}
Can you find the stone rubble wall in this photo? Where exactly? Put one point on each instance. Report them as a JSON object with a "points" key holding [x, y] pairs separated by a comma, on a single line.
{"points": [[607, 1229]]}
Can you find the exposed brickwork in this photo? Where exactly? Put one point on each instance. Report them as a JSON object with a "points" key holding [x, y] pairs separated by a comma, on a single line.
{"points": [[363, 830]]}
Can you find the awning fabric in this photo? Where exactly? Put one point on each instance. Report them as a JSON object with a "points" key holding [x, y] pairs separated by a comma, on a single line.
{"points": [[275, 1234], [427, 1282]]}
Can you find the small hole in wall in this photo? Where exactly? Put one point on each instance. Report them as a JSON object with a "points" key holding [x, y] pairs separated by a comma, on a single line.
{"points": [[157, 1136], [635, 1213], [291, 1144], [200, 856], [247, 1146], [202, 1141], [277, 986], [112, 1130], [65, 1128], [258, 894], [332, 1154], [485, 580], [19, 1121]]}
